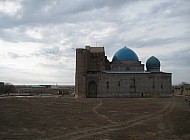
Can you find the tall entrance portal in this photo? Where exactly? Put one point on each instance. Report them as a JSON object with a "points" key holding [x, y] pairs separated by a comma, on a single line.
{"points": [[92, 90]]}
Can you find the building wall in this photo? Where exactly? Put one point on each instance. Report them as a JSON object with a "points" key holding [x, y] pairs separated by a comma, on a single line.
{"points": [[127, 66], [131, 85], [186, 91], [96, 61], [182, 90]]}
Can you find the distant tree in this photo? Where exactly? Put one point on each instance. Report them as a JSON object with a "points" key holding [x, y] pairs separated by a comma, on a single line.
{"points": [[183, 84], [6, 88], [1, 87]]}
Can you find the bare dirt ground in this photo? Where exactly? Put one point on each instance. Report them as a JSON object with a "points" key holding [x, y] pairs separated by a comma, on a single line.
{"points": [[87, 119]]}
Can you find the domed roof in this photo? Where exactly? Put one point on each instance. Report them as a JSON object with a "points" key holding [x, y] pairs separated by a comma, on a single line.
{"points": [[153, 62], [125, 54]]}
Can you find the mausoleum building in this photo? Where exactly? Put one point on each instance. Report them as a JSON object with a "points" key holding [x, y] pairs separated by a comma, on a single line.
{"points": [[124, 76]]}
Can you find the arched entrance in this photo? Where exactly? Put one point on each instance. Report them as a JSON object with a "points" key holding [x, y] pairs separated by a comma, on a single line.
{"points": [[92, 90]]}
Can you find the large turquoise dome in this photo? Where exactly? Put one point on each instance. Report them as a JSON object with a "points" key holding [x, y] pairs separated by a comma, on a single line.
{"points": [[125, 54]]}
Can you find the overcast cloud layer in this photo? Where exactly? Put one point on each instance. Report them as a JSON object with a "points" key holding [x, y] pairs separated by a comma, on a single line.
{"points": [[38, 38]]}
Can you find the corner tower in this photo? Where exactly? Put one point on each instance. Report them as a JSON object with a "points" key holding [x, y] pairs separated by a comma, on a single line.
{"points": [[81, 72]]}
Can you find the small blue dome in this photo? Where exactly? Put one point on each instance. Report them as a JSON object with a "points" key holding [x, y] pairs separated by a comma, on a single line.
{"points": [[153, 62], [125, 54]]}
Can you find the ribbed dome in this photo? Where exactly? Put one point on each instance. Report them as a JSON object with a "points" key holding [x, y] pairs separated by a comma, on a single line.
{"points": [[153, 64], [125, 54]]}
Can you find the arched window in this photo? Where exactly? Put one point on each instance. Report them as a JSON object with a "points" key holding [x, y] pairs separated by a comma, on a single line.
{"points": [[107, 84], [119, 83], [131, 86]]}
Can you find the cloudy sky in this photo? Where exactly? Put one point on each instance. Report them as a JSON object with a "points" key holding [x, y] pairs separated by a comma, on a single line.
{"points": [[38, 38]]}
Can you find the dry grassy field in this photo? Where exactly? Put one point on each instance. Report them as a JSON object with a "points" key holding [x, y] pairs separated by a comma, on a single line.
{"points": [[87, 119]]}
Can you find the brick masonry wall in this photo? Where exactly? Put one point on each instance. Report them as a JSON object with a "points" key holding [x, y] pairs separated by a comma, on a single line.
{"points": [[132, 85]]}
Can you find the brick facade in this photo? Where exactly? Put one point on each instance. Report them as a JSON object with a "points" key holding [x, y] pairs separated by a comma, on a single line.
{"points": [[97, 77]]}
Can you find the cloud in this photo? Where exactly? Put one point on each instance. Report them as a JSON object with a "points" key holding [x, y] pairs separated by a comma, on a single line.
{"points": [[9, 8], [39, 38], [53, 53], [13, 55]]}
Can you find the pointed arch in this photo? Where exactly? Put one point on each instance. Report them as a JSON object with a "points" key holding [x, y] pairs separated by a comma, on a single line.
{"points": [[92, 89]]}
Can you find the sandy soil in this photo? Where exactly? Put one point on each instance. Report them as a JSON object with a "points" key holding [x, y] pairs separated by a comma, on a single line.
{"points": [[87, 119]]}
